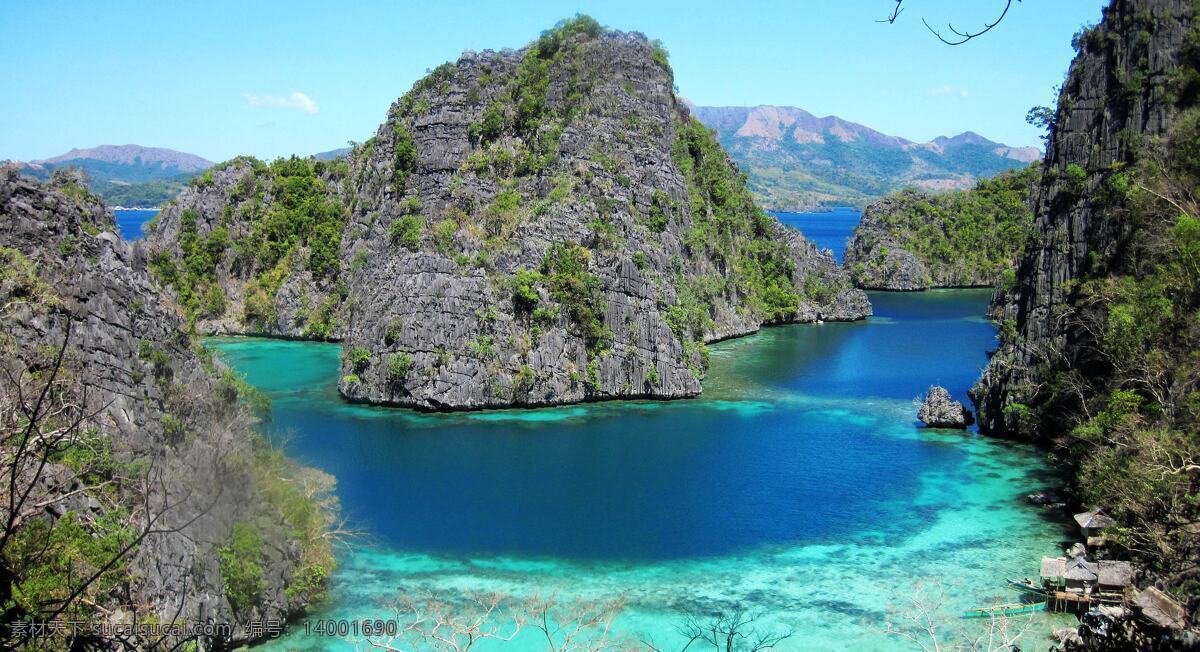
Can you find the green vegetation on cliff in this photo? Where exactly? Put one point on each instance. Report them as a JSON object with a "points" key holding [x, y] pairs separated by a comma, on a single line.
{"points": [[1135, 445], [968, 237], [1110, 374], [298, 229], [730, 226]]}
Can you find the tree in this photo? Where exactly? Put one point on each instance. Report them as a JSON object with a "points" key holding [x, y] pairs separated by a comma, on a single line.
{"points": [[926, 624], [44, 422], [457, 622], [958, 37], [733, 632]]}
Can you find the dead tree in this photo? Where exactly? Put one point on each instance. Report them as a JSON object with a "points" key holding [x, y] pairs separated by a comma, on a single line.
{"points": [[44, 415], [734, 632], [958, 37], [927, 626], [456, 623]]}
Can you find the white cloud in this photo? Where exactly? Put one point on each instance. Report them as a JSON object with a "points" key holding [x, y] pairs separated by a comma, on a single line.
{"points": [[948, 90], [297, 101]]}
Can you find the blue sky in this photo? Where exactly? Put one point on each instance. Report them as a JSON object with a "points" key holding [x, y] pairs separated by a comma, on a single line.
{"points": [[273, 78]]}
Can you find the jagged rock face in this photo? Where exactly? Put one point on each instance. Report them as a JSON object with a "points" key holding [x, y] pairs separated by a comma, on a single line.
{"points": [[940, 410], [166, 410], [535, 227], [912, 240], [235, 198], [1115, 96], [471, 342], [877, 261]]}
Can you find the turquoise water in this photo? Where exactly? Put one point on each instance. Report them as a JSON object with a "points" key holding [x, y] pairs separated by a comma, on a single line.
{"points": [[799, 486], [131, 222], [827, 230]]}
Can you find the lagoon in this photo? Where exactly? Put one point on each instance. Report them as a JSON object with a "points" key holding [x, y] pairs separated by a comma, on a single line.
{"points": [[799, 485]]}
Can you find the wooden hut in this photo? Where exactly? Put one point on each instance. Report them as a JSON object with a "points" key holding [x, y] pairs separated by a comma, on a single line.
{"points": [[1082, 582], [1114, 576], [1091, 522]]}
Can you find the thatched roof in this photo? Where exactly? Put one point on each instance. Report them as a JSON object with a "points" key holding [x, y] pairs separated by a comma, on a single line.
{"points": [[1161, 609], [1054, 567], [1082, 570], [1094, 519], [1116, 573]]}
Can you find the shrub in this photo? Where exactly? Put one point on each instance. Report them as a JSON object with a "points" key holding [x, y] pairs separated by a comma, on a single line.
{"points": [[565, 268], [1076, 178], [501, 215], [174, 431], [443, 235], [546, 315], [241, 567], [405, 158], [523, 380], [659, 206], [393, 331], [236, 387], [483, 346], [214, 301], [524, 284], [359, 358], [406, 231], [398, 366]]}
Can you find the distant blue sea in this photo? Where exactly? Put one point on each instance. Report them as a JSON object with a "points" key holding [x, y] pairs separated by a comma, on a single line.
{"points": [[828, 230], [130, 222]]}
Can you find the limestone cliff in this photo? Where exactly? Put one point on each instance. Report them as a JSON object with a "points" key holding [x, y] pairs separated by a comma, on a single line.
{"points": [[1117, 99], [528, 227], [164, 435], [913, 240]]}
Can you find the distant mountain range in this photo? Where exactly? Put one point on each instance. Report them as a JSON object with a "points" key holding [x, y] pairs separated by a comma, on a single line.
{"points": [[331, 154], [794, 161], [797, 161], [126, 175]]}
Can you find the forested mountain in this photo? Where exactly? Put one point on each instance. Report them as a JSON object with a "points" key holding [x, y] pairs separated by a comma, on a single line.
{"points": [[795, 160], [125, 175]]}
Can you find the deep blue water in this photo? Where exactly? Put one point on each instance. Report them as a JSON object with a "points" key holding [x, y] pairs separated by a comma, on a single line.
{"points": [[749, 464], [798, 486], [828, 230], [130, 222]]}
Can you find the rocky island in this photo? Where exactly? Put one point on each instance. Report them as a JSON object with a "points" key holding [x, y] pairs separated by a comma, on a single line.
{"points": [[940, 410], [914, 240], [137, 487], [532, 227]]}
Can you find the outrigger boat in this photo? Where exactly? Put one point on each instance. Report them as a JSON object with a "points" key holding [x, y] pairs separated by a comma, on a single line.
{"points": [[1027, 586], [1005, 610]]}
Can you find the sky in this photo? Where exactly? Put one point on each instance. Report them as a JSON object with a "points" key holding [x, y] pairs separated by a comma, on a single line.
{"points": [[219, 79]]}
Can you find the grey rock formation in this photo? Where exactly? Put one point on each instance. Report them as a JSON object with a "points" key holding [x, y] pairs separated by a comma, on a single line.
{"points": [[877, 261], [912, 240], [940, 410], [155, 398], [635, 236], [1101, 119]]}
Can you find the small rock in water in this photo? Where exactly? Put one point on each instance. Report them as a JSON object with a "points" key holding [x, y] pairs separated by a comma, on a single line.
{"points": [[941, 411], [1048, 497]]}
